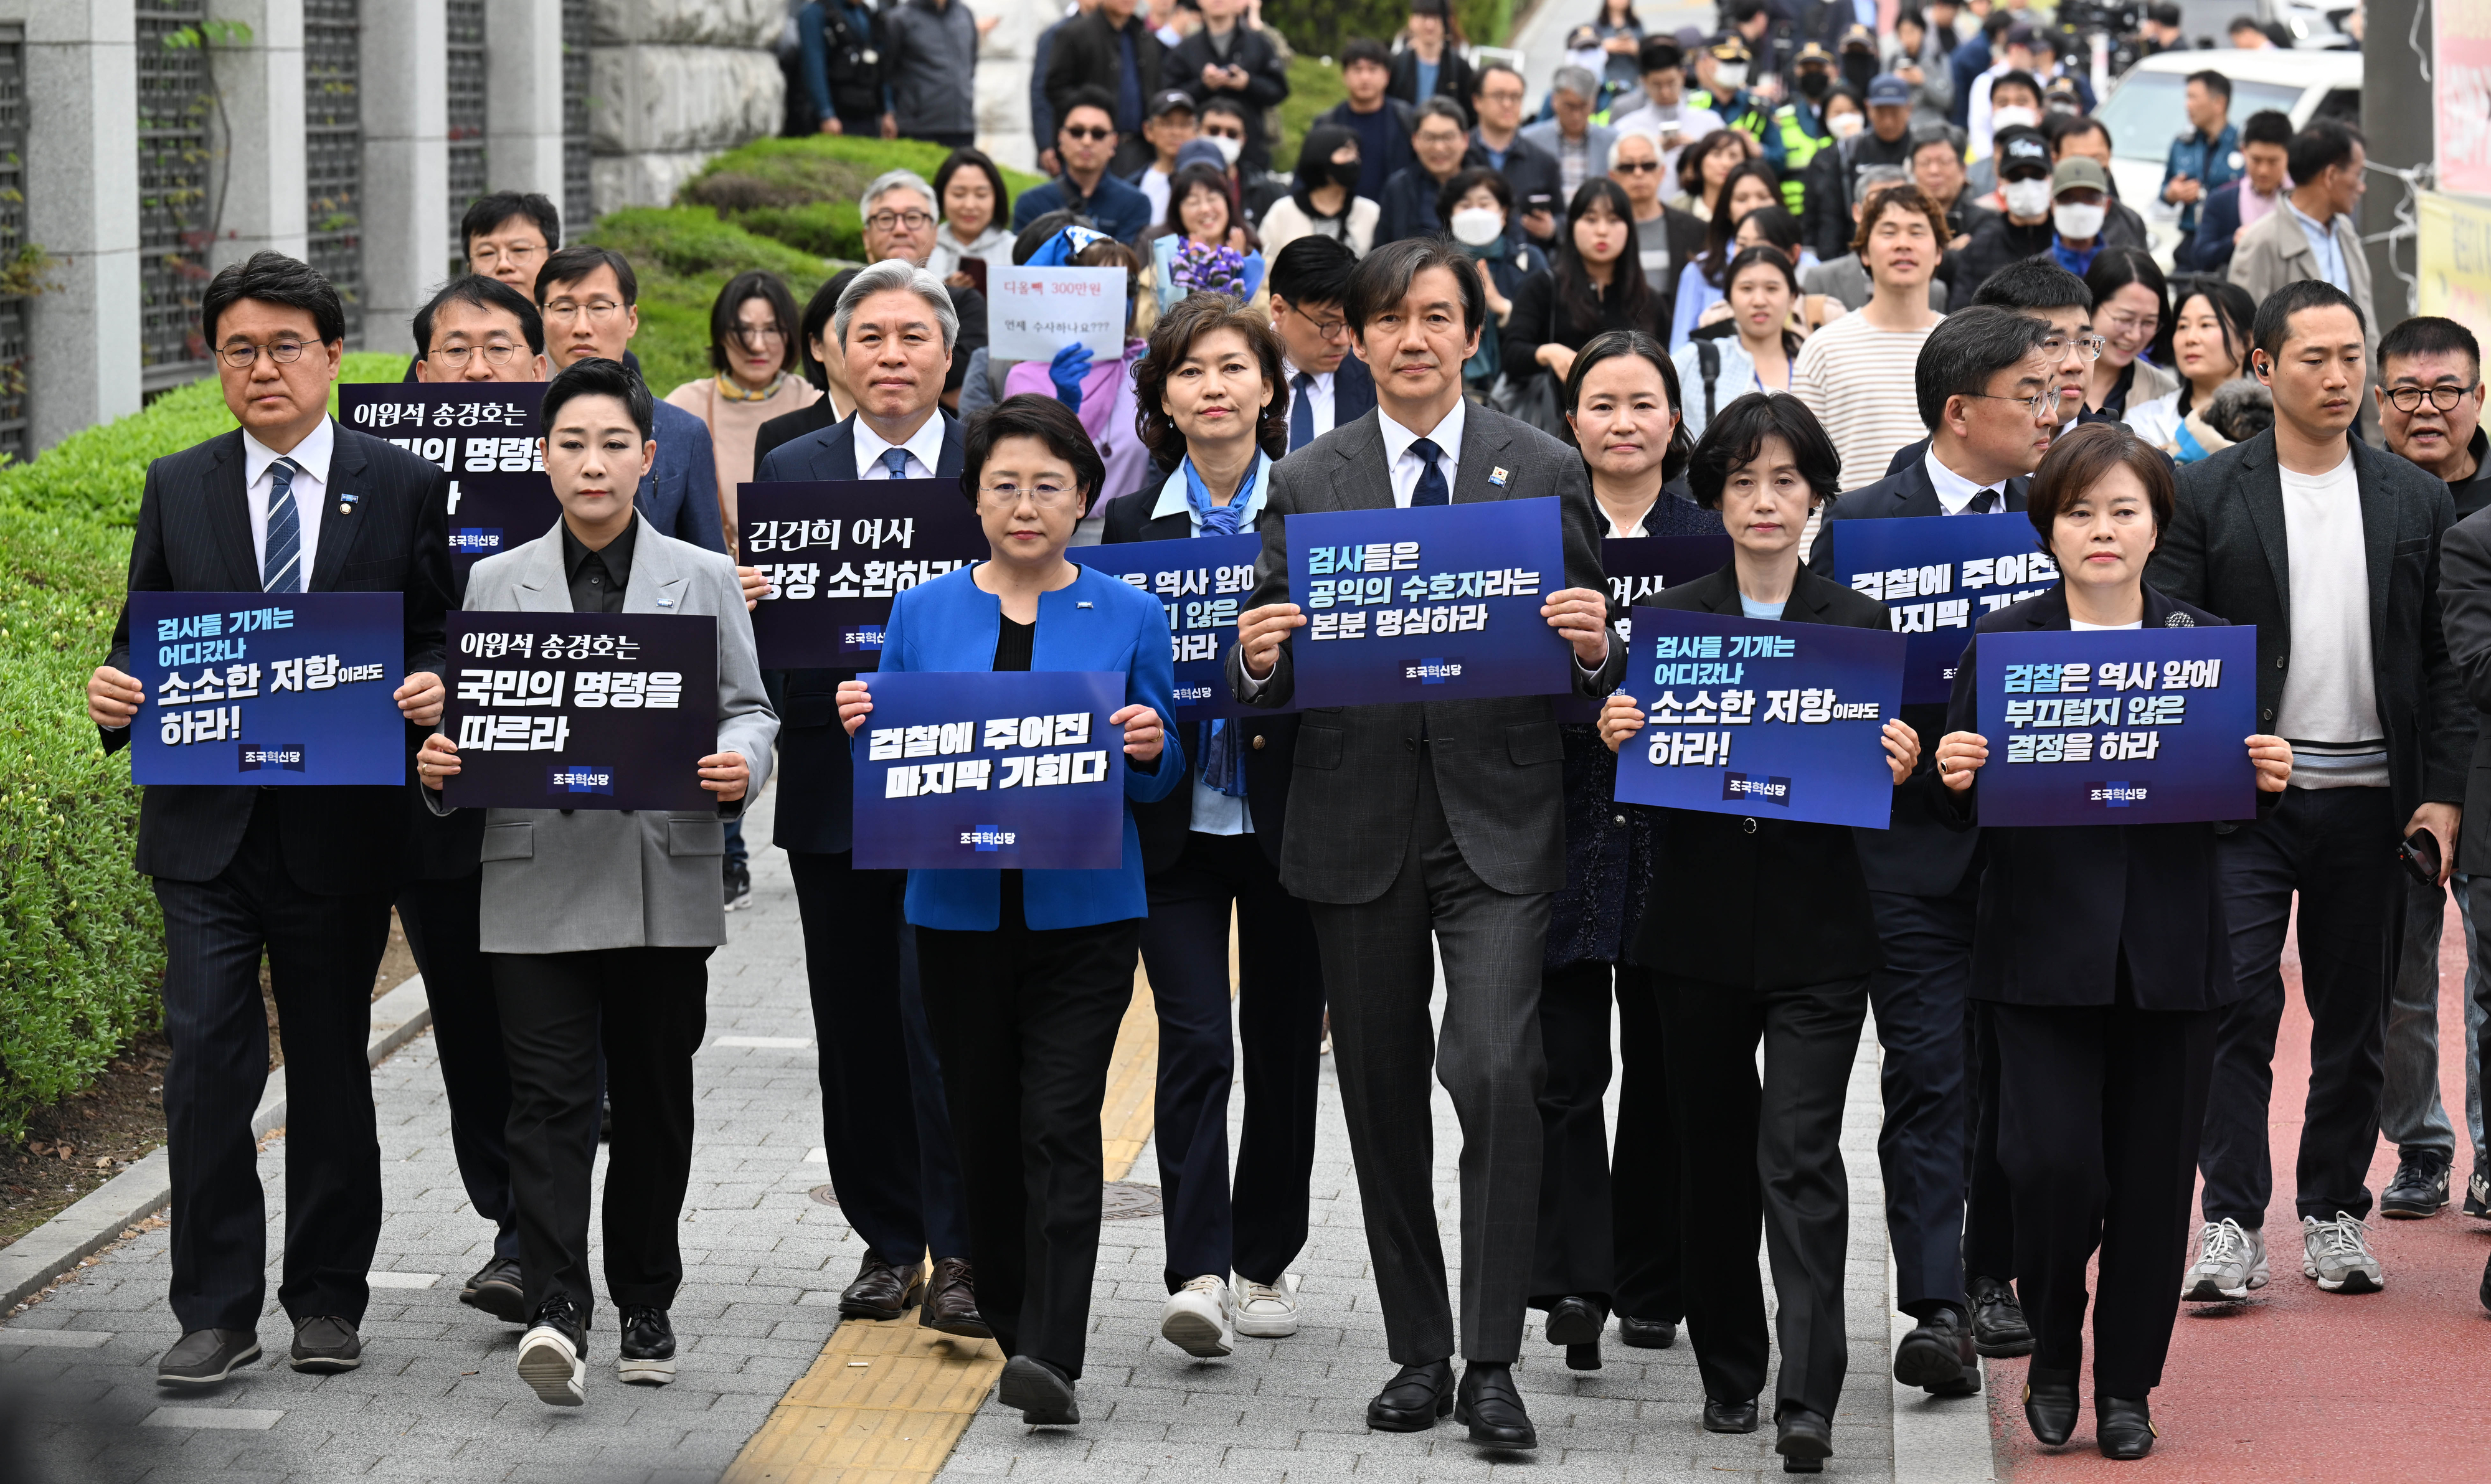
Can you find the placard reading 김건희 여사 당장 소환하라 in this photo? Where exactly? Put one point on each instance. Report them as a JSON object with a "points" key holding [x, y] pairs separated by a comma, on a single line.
{"points": [[485, 434], [268, 690], [835, 552], [980, 771], [1939, 577], [580, 711]]}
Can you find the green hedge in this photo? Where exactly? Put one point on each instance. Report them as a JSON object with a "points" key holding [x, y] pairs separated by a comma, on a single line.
{"points": [[804, 192], [1323, 27]]}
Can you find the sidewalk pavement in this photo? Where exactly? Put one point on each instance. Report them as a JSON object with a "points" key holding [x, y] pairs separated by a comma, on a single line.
{"points": [[436, 1397]]}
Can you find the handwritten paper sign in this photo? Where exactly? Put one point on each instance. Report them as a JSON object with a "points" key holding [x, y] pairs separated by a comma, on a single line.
{"points": [[1034, 312]]}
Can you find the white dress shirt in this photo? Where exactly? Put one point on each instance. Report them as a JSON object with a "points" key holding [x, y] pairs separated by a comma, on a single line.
{"points": [[1318, 395], [924, 449], [1955, 493], [1406, 467], [311, 487], [1618, 533]]}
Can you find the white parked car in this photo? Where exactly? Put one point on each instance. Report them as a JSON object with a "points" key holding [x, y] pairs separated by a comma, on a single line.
{"points": [[2144, 114]]}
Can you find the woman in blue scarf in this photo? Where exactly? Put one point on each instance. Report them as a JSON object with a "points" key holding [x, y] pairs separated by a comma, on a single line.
{"points": [[1214, 408]]}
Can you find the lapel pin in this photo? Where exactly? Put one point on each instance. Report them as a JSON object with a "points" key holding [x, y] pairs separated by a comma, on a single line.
{"points": [[666, 602], [1496, 477], [346, 504], [1080, 605]]}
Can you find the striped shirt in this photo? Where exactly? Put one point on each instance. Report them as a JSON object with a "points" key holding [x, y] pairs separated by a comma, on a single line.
{"points": [[1860, 382]]}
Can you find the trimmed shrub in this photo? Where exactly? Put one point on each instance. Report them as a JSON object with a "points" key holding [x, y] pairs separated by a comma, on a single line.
{"points": [[804, 192], [1323, 27]]}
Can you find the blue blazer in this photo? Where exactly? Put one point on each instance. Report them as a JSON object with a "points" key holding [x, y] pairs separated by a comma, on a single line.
{"points": [[2210, 249], [1100, 623], [679, 494], [816, 775]]}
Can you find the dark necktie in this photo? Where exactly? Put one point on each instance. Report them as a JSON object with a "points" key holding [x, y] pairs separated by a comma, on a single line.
{"points": [[281, 570], [1301, 412], [1431, 488], [1985, 503], [897, 461]]}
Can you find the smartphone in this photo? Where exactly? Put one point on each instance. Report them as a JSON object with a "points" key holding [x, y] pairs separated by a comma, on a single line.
{"points": [[976, 268], [2420, 854], [1538, 201]]}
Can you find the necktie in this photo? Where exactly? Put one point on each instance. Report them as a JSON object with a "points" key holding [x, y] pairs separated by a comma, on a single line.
{"points": [[897, 461], [1984, 502], [1431, 488], [1302, 413], [281, 571]]}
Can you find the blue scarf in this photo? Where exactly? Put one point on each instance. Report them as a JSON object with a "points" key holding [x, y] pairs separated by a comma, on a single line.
{"points": [[1220, 519], [1214, 742]]}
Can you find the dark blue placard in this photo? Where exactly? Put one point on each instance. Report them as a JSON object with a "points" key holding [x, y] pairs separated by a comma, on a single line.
{"points": [[1751, 717], [984, 772], [1636, 568], [1438, 603], [485, 434], [1203, 582], [581, 711], [267, 688], [2144, 726], [836, 551], [1938, 576]]}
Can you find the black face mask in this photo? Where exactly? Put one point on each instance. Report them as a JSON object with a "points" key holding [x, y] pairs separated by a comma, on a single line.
{"points": [[1345, 176], [1815, 84]]}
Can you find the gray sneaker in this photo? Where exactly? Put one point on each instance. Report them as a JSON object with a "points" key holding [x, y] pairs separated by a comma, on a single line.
{"points": [[2337, 1254], [2231, 1261]]}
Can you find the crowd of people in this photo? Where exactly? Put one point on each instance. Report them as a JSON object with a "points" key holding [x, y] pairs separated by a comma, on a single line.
{"points": [[1444, 305]]}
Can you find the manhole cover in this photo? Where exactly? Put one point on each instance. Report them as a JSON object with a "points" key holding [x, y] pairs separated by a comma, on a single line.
{"points": [[1119, 1202], [825, 1195]]}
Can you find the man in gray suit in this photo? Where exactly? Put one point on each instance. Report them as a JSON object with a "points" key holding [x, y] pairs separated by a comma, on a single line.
{"points": [[1447, 818], [599, 924]]}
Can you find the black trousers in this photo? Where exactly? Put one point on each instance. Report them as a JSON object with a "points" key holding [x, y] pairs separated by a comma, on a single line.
{"points": [[322, 954], [2099, 1122], [1614, 1243], [1768, 1155], [2334, 849], [440, 918], [649, 1009], [898, 1179], [1919, 996], [1278, 1016], [1025, 1020], [1989, 1206]]}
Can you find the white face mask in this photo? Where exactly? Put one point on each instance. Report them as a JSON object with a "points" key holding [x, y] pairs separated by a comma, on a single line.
{"points": [[1731, 75], [1478, 225], [2078, 222], [1229, 149], [2001, 118], [1842, 126], [2028, 199]]}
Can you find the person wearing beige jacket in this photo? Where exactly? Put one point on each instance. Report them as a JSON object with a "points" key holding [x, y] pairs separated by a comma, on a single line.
{"points": [[2314, 234]]}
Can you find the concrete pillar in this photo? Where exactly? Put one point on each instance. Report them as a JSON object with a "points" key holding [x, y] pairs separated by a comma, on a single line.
{"points": [[1005, 56], [81, 206], [2397, 122], [523, 131], [263, 84], [406, 164]]}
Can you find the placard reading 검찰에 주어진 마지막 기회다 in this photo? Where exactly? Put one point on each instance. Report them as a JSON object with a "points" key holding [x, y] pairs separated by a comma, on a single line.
{"points": [[981, 772], [1938, 576]]}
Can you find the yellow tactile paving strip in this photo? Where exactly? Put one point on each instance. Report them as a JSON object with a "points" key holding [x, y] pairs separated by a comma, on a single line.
{"points": [[884, 1402]]}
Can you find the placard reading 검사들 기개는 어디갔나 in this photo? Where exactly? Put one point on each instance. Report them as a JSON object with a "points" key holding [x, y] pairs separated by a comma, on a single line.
{"points": [[268, 690], [484, 435], [981, 772], [835, 552], [580, 711]]}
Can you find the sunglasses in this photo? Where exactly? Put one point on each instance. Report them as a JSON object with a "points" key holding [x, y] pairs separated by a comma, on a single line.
{"points": [[1073, 131], [1633, 168]]}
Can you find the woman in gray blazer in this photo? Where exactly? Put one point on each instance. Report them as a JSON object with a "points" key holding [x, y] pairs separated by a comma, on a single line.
{"points": [[599, 924]]}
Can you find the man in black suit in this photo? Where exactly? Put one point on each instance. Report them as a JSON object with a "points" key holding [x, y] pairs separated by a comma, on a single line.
{"points": [[1988, 389], [1111, 46], [304, 875], [2047, 292], [1328, 388], [1228, 59], [2331, 549], [1439, 821], [898, 1179]]}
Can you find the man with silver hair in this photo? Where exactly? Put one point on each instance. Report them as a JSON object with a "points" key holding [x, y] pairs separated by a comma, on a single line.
{"points": [[899, 1182], [899, 215], [1579, 146]]}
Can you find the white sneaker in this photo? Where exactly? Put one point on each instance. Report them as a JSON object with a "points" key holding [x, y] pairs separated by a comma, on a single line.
{"points": [[2231, 1261], [1265, 1312], [2337, 1254], [1200, 1317], [552, 1367]]}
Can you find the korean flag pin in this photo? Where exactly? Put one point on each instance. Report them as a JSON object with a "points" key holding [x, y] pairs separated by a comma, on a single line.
{"points": [[1080, 605], [1496, 477], [346, 504], [666, 602]]}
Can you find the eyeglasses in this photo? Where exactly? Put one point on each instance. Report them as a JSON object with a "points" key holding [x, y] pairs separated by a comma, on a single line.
{"points": [[1074, 131], [1329, 328], [1633, 166], [2088, 346], [482, 256], [2131, 324], [757, 335], [2445, 398], [243, 357], [914, 220], [2041, 404], [1044, 495], [456, 357], [598, 310]]}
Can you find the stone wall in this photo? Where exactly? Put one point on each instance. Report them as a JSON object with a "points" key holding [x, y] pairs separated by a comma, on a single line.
{"points": [[672, 82]]}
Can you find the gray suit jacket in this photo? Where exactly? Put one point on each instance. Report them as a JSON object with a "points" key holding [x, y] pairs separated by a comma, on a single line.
{"points": [[1498, 763], [564, 881], [1545, 137]]}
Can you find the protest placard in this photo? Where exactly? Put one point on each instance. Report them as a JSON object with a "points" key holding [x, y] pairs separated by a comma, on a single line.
{"points": [[268, 690], [836, 552], [2145, 726], [581, 711], [1938, 576], [1034, 312], [985, 771], [1202, 583], [1636, 568], [1752, 716], [485, 434]]}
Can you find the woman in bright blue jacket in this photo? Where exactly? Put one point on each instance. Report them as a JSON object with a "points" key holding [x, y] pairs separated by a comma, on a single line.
{"points": [[1027, 974]]}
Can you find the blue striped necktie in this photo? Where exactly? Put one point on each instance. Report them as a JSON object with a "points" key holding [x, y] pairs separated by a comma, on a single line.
{"points": [[281, 570]]}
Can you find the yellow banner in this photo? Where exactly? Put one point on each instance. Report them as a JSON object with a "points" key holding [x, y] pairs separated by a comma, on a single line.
{"points": [[2455, 260]]}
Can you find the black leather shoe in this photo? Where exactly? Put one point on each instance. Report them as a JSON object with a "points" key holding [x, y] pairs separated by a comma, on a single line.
{"points": [[1646, 1333], [648, 1353], [952, 1301], [497, 1290], [1998, 1326], [203, 1357], [1583, 1358], [2123, 1428], [1574, 1321], [1937, 1355], [1043, 1393], [326, 1344], [2050, 1403], [1414, 1399], [1489, 1403], [1804, 1439], [880, 1291], [2419, 1188], [1729, 1416]]}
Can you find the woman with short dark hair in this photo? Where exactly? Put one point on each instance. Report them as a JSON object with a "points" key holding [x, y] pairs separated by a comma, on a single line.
{"points": [[1595, 284], [2105, 956], [1759, 929], [755, 346], [1026, 975]]}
